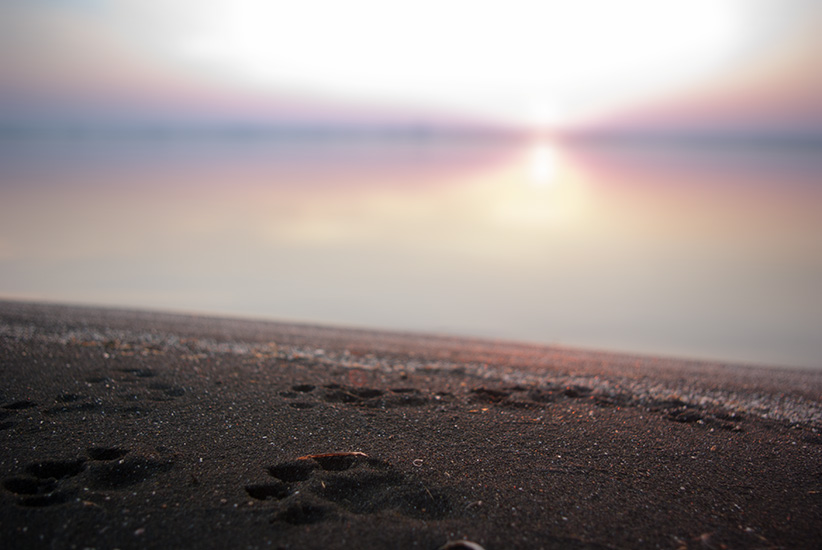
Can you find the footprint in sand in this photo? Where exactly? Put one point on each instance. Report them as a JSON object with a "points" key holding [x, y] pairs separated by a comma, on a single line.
{"points": [[373, 397], [71, 407], [322, 487], [165, 392], [42, 486], [52, 482], [20, 405], [132, 386], [355, 396], [11, 409]]}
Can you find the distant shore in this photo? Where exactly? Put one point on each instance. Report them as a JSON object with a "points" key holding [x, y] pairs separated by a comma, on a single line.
{"points": [[135, 429]]}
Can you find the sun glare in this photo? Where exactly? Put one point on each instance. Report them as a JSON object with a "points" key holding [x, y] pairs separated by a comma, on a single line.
{"points": [[490, 58], [544, 117]]}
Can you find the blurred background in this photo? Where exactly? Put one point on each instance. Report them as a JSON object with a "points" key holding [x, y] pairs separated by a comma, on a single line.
{"points": [[625, 175]]}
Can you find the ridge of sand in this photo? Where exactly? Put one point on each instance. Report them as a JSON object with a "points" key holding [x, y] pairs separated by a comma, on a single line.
{"points": [[790, 395]]}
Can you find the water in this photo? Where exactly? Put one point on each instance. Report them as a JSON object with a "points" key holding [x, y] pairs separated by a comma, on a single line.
{"points": [[693, 250]]}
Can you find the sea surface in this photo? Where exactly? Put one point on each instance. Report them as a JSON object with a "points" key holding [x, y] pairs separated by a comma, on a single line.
{"points": [[696, 249]]}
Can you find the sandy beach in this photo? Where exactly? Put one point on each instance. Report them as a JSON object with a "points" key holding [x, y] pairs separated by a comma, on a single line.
{"points": [[128, 429]]}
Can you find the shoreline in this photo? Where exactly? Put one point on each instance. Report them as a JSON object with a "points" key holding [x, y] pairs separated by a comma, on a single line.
{"points": [[510, 361], [138, 429]]}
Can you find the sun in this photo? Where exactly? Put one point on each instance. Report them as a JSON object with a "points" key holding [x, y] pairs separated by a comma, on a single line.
{"points": [[544, 116]]}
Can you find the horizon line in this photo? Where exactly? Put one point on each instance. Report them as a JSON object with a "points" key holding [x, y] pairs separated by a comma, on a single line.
{"points": [[422, 131]]}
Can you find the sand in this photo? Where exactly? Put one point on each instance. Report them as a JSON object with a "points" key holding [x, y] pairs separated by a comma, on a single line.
{"points": [[126, 429]]}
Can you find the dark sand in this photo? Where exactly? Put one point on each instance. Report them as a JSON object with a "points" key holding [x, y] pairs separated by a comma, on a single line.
{"points": [[136, 430]]}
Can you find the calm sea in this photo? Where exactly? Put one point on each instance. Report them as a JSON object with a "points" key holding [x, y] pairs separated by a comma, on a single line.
{"points": [[700, 250]]}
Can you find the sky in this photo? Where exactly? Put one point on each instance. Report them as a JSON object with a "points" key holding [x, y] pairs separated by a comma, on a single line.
{"points": [[646, 246], [751, 65]]}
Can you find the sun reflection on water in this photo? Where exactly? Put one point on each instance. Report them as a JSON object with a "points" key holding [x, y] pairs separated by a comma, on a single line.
{"points": [[543, 164], [546, 193]]}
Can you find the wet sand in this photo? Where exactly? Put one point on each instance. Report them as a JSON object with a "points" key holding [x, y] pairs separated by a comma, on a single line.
{"points": [[126, 429]]}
